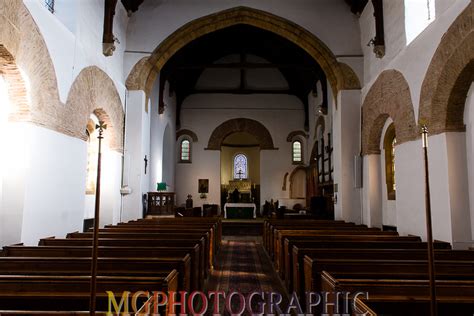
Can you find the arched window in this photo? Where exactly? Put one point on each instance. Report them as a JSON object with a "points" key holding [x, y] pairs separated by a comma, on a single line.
{"points": [[49, 5], [240, 167], [185, 151], [92, 153], [297, 152], [418, 15], [390, 141]]}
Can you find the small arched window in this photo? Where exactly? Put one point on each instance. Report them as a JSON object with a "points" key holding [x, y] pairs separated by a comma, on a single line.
{"points": [[240, 167], [185, 151], [390, 141], [297, 152]]}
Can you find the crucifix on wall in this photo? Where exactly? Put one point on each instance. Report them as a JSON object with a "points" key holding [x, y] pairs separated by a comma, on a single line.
{"points": [[146, 162], [240, 173]]}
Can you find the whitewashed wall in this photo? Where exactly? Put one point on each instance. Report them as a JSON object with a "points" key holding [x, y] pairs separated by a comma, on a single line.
{"points": [[44, 185], [413, 61], [45, 189], [162, 150], [73, 36]]}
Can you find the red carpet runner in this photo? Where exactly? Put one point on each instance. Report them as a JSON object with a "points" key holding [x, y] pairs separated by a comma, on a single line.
{"points": [[244, 267]]}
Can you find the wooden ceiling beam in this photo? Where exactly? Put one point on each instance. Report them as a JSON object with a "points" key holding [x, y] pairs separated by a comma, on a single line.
{"points": [[108, 38], [246, 65], [242, 91]]}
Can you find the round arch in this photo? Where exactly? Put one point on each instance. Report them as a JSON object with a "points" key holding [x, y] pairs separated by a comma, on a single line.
{"points": [[187, 132], [94, 92], [146, 70], [389, 96], [449, 76], [255, 128], [35, 94], [296, 134]]}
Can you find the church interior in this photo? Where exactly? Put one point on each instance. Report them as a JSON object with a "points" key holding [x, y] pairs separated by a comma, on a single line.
{"points": [[298, 157]]}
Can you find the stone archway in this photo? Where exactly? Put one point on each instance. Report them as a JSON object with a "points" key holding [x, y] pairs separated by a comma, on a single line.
{"points": [[255, 128], [17, 94], [146, 70], [22, 47], [389, 96], [94, 92], [449, 76]]}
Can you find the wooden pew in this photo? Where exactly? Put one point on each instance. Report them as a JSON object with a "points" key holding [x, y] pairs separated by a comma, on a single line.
{"points": [[280, 234], [159, 227], [155, 235], [114, 252], [312, 272], [294, 258], [454, 296], [398, 268], [70, 242], [349, 234], [216, 222], [270, 224], [273, 228], [106, 266], [71, 293]]}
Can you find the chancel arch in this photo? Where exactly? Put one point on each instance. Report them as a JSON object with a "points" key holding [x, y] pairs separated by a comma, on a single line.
{"points": [[146, 70], [240, 125]]}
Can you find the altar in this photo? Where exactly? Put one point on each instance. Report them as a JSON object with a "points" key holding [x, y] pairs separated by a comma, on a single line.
{"points": [[240, 210]]}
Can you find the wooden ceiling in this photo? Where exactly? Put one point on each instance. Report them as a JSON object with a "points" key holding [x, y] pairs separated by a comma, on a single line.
{"points": [[356, 6]]}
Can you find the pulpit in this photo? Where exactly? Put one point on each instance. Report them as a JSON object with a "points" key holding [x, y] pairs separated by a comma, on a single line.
{"points": [[160, 203]]}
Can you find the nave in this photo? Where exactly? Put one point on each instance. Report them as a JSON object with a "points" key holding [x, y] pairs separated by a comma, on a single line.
{"points": [[346, 267]]}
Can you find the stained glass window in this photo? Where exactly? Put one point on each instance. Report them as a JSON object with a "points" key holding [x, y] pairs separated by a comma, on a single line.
{"points": [[297, 152], [185, 150], [240, 166]]}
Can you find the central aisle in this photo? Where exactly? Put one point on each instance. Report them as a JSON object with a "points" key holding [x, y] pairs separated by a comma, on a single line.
{"points": [[243, 266]]}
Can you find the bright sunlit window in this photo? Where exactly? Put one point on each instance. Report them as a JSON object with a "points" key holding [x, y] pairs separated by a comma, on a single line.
{"points": [[418, 15]]}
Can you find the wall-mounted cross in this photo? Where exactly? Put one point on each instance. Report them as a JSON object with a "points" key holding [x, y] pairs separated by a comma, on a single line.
{"points": [[146, 162]]}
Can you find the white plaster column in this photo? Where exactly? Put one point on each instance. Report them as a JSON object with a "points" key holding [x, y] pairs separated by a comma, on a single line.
{"points": [[410, 189], [372, 191], [458, 190], [137, 138], [110, 187], [346, 136], [15, 167]]}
